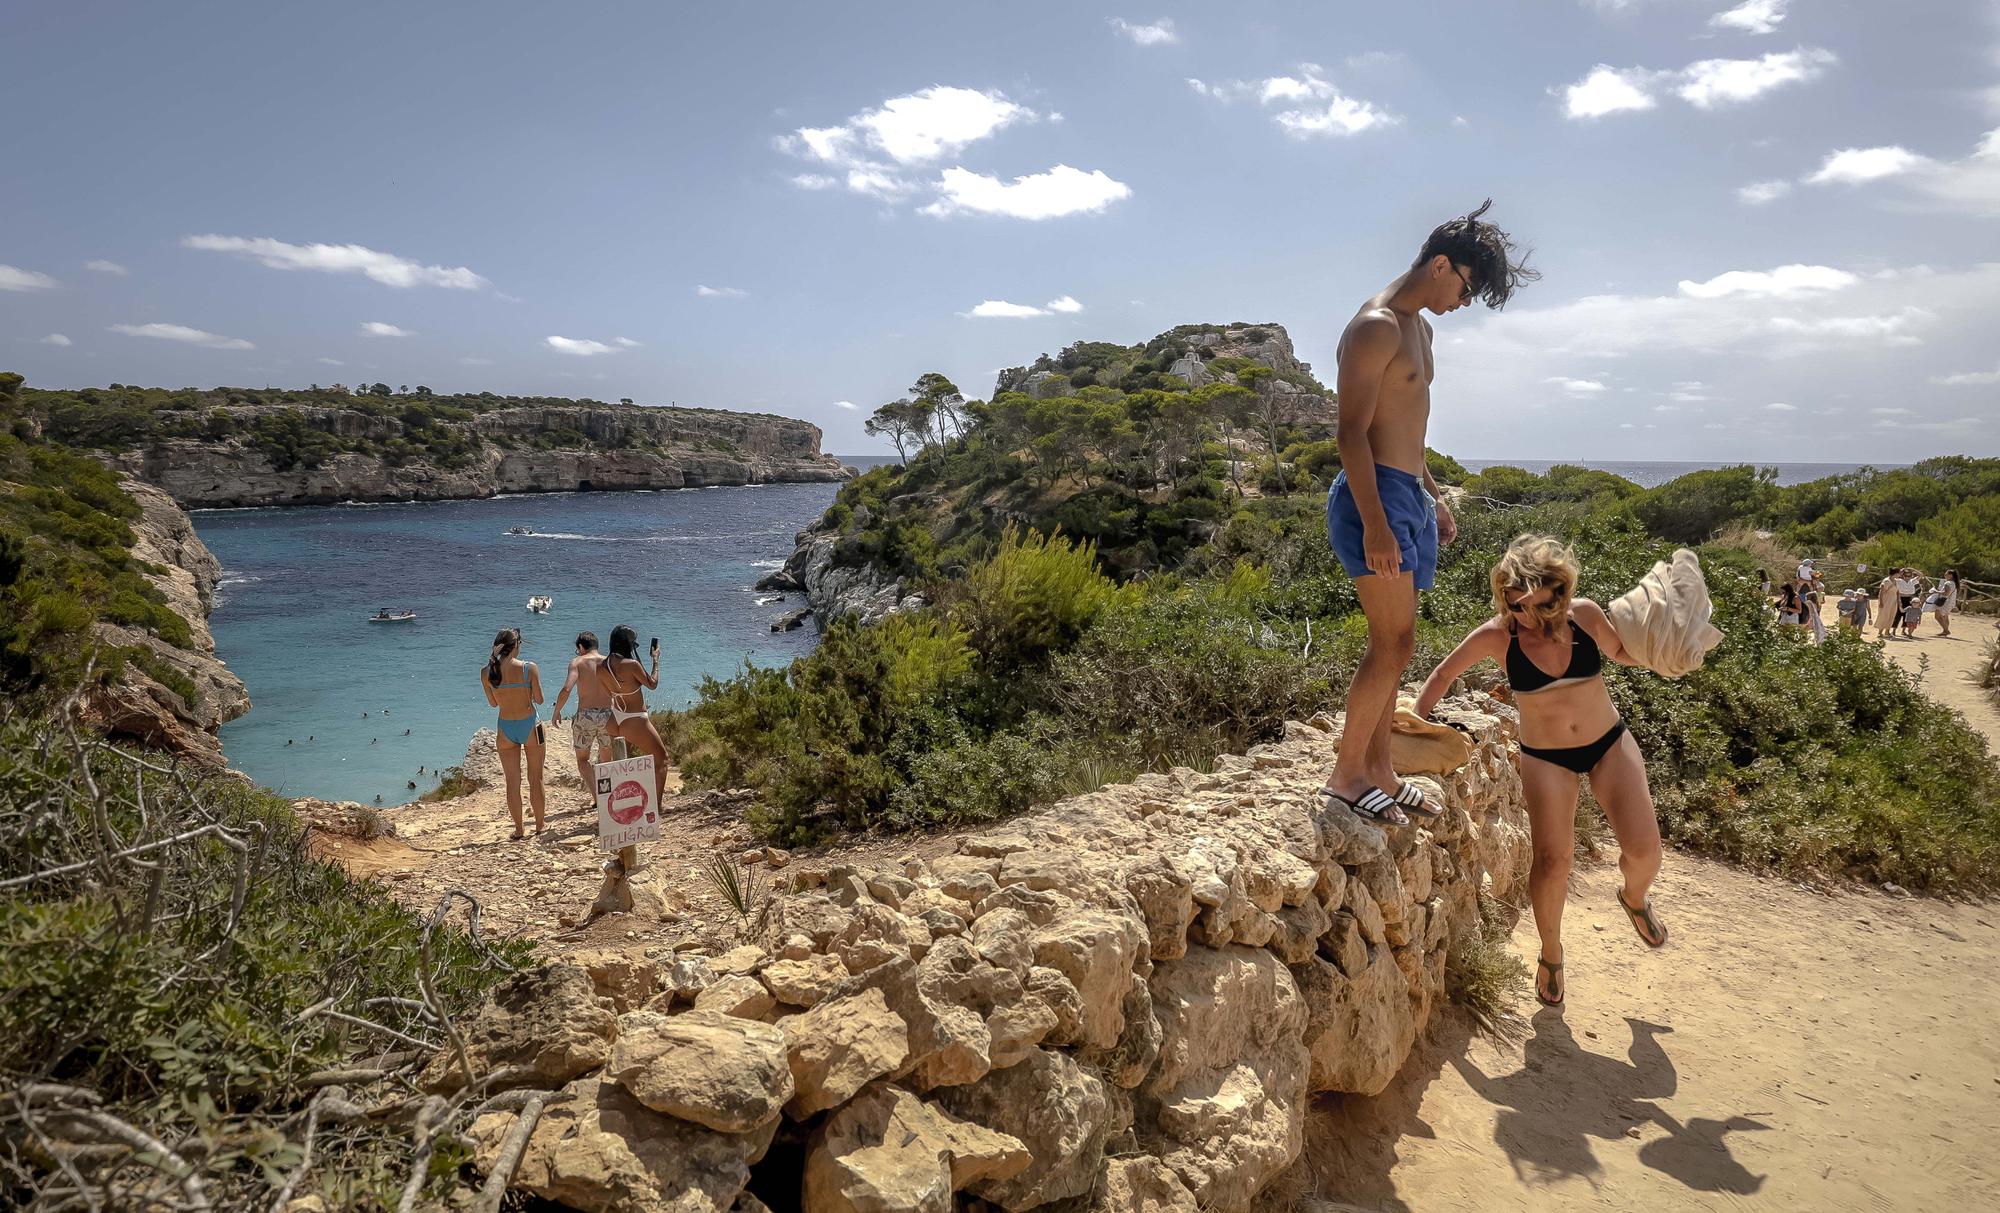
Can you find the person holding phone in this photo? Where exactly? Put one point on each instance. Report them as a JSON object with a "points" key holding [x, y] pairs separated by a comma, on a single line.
{"points": [[627, 680]]}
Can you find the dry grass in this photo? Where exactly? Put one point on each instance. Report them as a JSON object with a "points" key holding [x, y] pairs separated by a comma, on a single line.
{"points": [[1774, 557]]}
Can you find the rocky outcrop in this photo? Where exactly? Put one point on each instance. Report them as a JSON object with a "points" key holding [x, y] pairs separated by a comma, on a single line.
{"points": [[1124, 1002], [834, 591], [182, 568], [608, 447]]}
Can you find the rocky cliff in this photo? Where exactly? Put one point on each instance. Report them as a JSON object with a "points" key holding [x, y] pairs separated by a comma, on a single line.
{"points": [[137, 705], [1122, 1003], [864, 591], [511, 450]]}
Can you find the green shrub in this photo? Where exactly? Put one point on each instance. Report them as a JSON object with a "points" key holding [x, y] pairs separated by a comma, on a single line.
{"points": [[1693, 507], [1035, 594]]}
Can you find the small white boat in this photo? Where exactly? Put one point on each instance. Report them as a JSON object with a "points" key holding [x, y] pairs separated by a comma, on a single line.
{"points": [[393, 615], [540, 604], [520, 530]]}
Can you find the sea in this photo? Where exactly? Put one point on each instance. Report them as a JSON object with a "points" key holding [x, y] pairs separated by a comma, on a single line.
{"points": [[345, 709]]}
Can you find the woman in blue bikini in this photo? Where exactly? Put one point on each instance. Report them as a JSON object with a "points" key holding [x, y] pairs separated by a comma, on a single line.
{"points": [[515, 687], [1569, 729]]}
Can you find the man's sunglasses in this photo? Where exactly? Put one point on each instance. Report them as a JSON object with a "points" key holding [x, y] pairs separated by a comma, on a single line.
{"points": [[1465, 285]]}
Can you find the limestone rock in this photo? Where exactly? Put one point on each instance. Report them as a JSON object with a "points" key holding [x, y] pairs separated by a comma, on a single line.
{"points": [[744, 997], [717, 1070], [1166, 900], [839, 1047], [1097, 951], [602, 1151], [888, 1151], [624, 979], [1359, 1029], [1060, 1112], [1141, 1184], [803, 983], [1343, 944], [549, 1022]]}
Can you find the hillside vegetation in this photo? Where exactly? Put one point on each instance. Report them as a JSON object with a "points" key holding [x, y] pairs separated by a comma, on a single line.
{"points": [[1121, 577]]}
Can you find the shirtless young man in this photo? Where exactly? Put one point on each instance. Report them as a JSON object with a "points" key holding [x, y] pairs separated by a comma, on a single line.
{"points": [[1382, 514], [593, 708]]}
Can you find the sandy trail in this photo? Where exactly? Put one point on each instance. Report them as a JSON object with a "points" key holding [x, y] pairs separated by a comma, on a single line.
{"points": [[1785, 1050]]}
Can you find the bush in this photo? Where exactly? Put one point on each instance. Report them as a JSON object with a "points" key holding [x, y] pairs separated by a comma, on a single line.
{"points": [[1035, 594], [1693, 507]]}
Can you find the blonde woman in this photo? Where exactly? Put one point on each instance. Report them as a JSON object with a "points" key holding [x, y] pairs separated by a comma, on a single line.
{"points": [[515, 687], [1552, 646]]}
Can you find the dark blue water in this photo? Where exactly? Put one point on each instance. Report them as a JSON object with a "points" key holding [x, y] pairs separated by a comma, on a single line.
{"points": [[299, 584], [1647, 473]]}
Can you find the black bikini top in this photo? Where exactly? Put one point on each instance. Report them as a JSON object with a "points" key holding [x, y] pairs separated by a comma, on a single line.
{"points": [[1585, 661]]}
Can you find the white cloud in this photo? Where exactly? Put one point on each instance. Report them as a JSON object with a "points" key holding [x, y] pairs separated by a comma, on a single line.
{"points": [[580, 346], [1608, 90], [12, 279], [105, 267], [1893, 412], [720, 292], [1706, 84], [377, 328], [54, 339], [1785, 282], [1885, 330], [1713, 82], [1751, 17], [1757, 193], [329, 362], [182, 333], [1157, 33], [1576, 387], [1315, 106], [385, 268], [815, 181], [627, 342], [1968, 379], [846, 404], [1001, 309], [1067, 305], [1853, 165], [875, 149], [1058, 192], [1781, 408]]}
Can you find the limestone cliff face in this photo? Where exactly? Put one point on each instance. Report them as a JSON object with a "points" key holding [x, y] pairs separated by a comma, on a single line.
{"points": [[139, 707], [865, 592], [631, 448]]}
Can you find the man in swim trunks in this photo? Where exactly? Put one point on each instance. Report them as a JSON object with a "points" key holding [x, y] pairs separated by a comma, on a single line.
{"points": [[592, 725], [1383, 517]]}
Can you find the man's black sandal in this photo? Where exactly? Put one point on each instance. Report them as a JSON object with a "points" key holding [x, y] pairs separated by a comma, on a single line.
{"points": [[1372, 804], [1412, 798]]}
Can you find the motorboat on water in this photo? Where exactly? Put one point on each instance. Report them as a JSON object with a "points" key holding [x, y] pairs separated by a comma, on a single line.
{"points": [[520, 530], [393, 615], [540, 604]]}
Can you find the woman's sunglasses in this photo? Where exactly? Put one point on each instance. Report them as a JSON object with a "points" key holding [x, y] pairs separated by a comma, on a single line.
{"points": [[1521, 606]]}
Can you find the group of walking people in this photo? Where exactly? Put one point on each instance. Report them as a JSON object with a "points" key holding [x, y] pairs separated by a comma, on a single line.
{"points": [[1897, 603], [610, 707]]}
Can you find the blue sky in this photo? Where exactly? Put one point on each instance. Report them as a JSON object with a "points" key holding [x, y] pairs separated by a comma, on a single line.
{"points": [[1768, 230]]}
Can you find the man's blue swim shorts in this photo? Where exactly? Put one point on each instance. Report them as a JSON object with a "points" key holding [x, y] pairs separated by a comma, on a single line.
{"points": [[1412, 519]]}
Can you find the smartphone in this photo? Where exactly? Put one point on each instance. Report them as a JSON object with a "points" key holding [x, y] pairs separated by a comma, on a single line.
{"points": [[656, 644]]}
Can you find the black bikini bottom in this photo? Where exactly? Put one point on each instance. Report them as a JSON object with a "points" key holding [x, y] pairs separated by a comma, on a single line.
{"points": [[1579, 758]]}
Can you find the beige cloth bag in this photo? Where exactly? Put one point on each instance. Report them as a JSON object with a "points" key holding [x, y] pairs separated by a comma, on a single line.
{"points": [[1663, 621], [1424, 747]]}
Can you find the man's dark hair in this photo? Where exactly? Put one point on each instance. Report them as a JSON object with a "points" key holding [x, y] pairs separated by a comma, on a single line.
{"points": [[587, 641], [1495, 265]]}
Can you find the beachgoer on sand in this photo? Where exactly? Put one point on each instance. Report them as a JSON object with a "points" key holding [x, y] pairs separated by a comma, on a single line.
{"points": [[592, 724], [623, 678], [1569, 729], [1887, 608], [515, 687], [1946, 600], [1382, 514]]}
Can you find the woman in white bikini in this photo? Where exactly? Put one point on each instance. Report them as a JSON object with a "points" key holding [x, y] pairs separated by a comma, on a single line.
{"points": [[1569, 729], [515, 687], [627, 680]]}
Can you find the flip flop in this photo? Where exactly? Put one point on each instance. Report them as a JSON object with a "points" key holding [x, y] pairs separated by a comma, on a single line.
{"points": [[1644, 915], [1373, 805], [1555, 980], [1412, 798]]}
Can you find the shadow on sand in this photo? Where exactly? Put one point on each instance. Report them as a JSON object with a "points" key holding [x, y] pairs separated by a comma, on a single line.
{"points": [[1561, 1098]]}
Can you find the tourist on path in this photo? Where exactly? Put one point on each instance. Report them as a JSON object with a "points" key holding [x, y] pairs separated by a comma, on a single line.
{"points": [[592, 725], [622, 678], [1887, 609], [515, 687], [1569, 729], [1382, 514], [1947, 600]]}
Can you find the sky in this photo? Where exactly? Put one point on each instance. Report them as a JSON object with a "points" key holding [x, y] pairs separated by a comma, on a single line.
{"points": [[1767, 230]]}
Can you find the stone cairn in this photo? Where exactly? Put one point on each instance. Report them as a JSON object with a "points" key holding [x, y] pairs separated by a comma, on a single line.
{"points": [[1124, 1001]]}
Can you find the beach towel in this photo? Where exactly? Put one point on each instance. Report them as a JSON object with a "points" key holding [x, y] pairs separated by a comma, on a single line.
{"points": [[1424, 747], [1663, 621]]}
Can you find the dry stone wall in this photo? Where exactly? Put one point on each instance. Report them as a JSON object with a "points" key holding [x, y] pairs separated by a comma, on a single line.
{"points": [[1121, 1003]]}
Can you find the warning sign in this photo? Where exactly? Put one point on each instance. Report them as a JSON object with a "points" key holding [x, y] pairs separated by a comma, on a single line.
{"points": [[626, 809]]}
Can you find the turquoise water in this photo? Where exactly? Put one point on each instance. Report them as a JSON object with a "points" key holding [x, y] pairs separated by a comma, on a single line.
{"points": [[347, 709]]}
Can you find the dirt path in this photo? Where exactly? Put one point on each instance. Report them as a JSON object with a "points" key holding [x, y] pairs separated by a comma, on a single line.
{"points": [[1786, 1050], [1953, 661]]}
